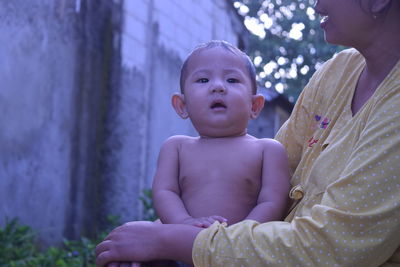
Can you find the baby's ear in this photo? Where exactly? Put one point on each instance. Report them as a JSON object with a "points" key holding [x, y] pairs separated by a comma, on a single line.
{"points": [[257, 105], [178, 102], [379, 5]]}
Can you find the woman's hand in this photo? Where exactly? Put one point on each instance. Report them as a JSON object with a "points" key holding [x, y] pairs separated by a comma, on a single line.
{"points": [[124, 264], [147, 241], [131, 242]]}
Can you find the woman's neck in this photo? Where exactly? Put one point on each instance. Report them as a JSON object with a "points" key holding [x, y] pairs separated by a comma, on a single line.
{"points": [[382, 52]]}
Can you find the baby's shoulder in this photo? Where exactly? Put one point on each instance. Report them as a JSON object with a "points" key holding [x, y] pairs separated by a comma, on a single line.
{"points": [[179, 140], [263, 141], [270, 145]]}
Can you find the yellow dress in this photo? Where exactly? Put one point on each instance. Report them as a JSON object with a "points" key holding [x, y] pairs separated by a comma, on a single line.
{"points": [[346, 178]]}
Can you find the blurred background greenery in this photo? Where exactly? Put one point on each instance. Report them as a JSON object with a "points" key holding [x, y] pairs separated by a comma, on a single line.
{"points": [[286, 44]]}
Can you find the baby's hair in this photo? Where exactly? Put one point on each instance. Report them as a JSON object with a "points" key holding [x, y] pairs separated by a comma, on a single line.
{"points": [[231, 48]]}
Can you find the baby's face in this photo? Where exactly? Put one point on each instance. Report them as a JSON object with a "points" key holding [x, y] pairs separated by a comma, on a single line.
{"points": [[218, 93]]}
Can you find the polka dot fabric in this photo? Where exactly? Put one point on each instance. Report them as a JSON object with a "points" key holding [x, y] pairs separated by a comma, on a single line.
{"points": [[348, 170]]}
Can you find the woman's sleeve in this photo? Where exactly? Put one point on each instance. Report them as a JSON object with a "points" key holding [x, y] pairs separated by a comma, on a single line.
{"points": [[356, 223]]}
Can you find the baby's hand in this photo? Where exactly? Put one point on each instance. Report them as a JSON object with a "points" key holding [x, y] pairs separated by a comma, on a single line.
{"points": [[204, 222]]}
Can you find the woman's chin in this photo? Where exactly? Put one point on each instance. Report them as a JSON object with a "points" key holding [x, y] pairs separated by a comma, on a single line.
{"points": [[333, 41]]}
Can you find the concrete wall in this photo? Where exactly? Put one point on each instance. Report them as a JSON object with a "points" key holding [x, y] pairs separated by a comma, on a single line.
{"points": [[37, 73], [54, 75]]}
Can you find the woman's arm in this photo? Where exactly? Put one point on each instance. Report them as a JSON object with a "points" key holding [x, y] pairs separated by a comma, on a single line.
{"points": [[147, 241]]}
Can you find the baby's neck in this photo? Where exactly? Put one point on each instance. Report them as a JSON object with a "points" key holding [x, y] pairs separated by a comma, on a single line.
{"points": [[223, 136]]}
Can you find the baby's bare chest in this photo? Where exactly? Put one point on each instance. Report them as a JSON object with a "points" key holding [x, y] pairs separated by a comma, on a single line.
{"points": [[219, 165]]}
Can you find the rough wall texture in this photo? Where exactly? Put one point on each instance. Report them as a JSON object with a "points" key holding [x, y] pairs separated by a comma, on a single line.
{"points": [[54, 76], [37, 95]]}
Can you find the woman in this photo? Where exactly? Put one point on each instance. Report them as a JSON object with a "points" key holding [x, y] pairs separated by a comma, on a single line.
{"points": [[343, 141]]}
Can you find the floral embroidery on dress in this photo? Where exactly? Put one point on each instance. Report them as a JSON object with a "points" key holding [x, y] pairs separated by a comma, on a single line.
{"points": [[321, 123]]}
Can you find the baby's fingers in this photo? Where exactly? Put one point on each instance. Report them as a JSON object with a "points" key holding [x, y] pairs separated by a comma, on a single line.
{"points": [[218, 218], [208, 221], [202, 222], [198, 224]]}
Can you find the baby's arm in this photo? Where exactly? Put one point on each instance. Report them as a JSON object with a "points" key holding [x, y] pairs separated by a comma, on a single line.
{"points": [[273, 200], [166, 192]]}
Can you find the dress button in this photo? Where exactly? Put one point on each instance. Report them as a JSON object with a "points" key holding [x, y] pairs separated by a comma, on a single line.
{"points": [[296, 193]]}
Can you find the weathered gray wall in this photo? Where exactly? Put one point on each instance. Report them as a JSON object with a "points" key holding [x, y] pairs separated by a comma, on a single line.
{"points": [[55, 76]]}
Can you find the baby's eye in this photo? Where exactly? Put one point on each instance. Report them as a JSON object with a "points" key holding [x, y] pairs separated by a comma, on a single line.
{"points": [[232, 80], [202, 80]]}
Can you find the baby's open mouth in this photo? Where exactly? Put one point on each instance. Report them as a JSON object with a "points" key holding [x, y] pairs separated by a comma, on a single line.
{"points": [[218, 104]]}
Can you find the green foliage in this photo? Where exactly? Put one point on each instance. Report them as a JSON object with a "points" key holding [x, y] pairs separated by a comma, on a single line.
{"points": [[289, 44], [146, 198], [19, 248], [16, 244]]}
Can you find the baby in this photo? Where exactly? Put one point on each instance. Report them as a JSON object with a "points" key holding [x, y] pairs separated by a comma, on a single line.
{"points": [[224, 174]]}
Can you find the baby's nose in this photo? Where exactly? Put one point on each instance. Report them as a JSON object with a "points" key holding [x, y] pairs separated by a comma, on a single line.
{"points": [[218, 87]]}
